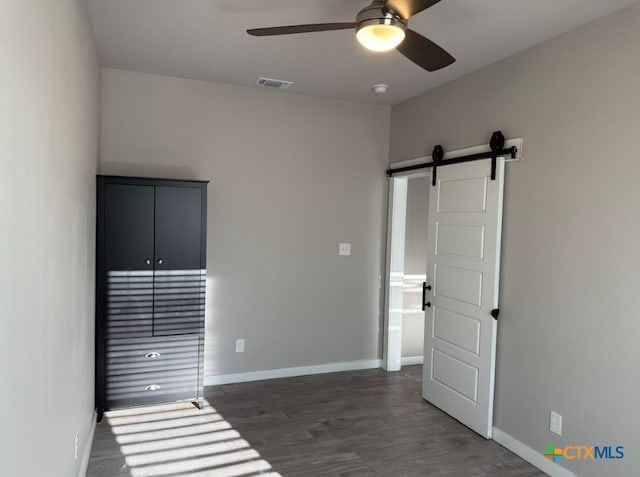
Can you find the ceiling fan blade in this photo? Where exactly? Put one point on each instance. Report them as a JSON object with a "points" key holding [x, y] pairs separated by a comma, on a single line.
{"points": [[423, 52], [292, 29], [408, 8]]}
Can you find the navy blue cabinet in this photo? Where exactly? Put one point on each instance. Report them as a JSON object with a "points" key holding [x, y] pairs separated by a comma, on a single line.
{"points": [[150, 291]]}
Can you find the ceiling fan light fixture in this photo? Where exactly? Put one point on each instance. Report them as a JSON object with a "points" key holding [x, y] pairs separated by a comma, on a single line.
{"points": [[381, 34], [381, 26]]}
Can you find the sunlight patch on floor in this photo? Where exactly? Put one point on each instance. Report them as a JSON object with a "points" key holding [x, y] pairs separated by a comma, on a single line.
{"points": [[181, 439]]}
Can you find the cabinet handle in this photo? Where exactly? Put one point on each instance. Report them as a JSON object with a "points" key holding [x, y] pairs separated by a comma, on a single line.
{"points": [[148, 261], [152, 355], [159, 261], [152, 387]]}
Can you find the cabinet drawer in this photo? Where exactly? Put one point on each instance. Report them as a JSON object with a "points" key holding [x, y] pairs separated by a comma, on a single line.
{"points": [[142, 355], [152, 387], [155, 381]]}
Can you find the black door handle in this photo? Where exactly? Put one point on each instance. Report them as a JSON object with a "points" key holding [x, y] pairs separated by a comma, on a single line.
{"points": [[425, 287]]}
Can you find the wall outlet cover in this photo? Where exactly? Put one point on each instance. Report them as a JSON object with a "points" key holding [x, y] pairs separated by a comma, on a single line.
{"points": [[344, 249], [555, 423], [240, 346]]}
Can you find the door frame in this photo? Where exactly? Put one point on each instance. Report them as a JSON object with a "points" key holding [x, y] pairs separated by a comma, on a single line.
{"points": [[396, 226]]}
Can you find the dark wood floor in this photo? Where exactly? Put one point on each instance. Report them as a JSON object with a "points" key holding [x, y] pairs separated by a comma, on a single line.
{"points": [[360, 423]]}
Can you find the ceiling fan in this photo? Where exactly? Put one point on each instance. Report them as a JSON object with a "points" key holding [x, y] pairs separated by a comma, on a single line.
{"points": [[382, 26]]}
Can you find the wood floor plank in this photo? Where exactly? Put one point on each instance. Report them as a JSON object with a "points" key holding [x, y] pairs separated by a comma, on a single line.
{"points": [[351, 424]]}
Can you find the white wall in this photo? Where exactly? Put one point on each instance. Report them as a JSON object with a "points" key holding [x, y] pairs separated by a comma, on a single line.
{"points": [[49, 113], [569, 328], [291, 178]]}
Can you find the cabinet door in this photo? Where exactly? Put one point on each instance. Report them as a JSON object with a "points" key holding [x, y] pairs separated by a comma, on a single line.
{"points": [[179, 282], [129, 227], [128, 258], [178, 228]]}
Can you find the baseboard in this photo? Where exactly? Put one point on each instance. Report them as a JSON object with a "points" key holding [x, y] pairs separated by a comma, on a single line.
{"points": [[291, 372], [411, 360], [532, 456], [84, 466]]}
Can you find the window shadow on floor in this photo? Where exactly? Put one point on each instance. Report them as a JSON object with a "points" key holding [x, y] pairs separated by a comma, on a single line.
{"points": [[172, 440]]}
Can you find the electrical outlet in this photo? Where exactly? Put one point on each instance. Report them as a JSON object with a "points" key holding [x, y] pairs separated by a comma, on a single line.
{"points": [[240, 346], [76, 443], [555, 423]]}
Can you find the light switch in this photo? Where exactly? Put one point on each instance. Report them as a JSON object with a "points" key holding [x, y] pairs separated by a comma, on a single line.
{"points": [[344, 249]]}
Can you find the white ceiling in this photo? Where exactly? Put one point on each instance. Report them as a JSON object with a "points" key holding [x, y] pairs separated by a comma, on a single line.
{"points": [[206, 39]]}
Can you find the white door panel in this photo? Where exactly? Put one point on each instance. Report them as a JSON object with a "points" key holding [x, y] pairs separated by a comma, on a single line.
{"points": [[455, 374], [465, 225], [456, 329], [460, 240], [468, 194], [458, 284]]}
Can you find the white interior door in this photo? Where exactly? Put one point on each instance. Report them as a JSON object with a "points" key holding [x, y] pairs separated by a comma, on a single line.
{"points": [[463, 266]]}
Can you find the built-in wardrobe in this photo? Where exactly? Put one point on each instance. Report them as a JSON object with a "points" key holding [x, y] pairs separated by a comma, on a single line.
{"points": [[150, 291]]}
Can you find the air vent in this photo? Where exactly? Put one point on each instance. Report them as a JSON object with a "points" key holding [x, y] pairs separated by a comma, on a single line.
{"points": [[273, 83]]}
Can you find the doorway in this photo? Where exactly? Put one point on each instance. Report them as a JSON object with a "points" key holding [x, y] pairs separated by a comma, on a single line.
{"points": [[415, 266], [407, 265]]}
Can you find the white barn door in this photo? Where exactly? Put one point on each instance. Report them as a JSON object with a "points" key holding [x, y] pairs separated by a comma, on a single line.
{"points": [[463, 261]]}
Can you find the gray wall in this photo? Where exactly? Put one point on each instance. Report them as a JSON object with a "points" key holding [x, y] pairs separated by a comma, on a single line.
{"points": [[569, 328], [415, 263], [49, 113], [291, 178]]}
